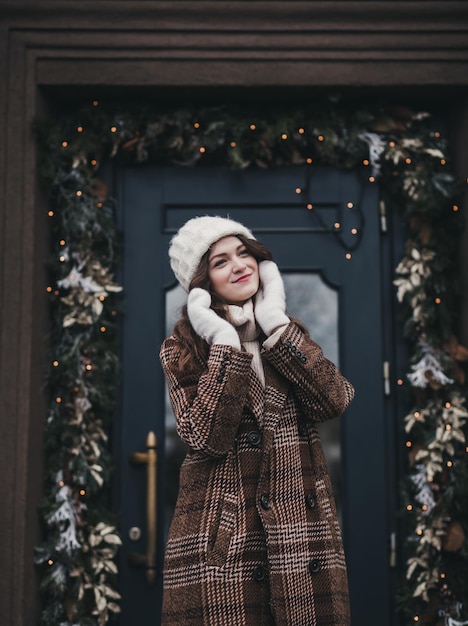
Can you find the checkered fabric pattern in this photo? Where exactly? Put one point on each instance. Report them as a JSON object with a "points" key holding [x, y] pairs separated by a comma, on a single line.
{"points": [[255, 538]]}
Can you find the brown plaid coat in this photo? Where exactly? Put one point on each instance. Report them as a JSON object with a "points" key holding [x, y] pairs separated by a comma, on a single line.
{"points": [[255, 538]]}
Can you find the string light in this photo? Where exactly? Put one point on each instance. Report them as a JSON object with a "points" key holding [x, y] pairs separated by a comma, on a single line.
{"points": [[58, 399], [94, 162], [62, 242], [443, 161], [442, 575], [449, 463], [417, 414], [424, 507], [89, 367], [95, 103], [348, 256], [49, 289], [336, 224], [365, 162], [298, 190], [409, 507], [103, 329], [113, 129], [437, 300], [391, 144], [350, 205], [50, 213], [399, 382], [55, 363], [419, 532], [61, 259], [99, 205], [448, 426], [321, 138], [252, 127], [455, 208], [301, 131], [284, 136], [202, 149], [79, 129], [416, 618], [310, 207], [101, 298], [309, 160], [354, 231], [407, 160], [61, 483], [79, 193], [82, 492], [50, 562], [371, 179], [409, 444], [196, 125], [437, 134], [233, 144], [64, 144]]}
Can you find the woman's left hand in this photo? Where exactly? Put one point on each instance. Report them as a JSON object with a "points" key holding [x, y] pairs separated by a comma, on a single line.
{"points": [[270, 301]]}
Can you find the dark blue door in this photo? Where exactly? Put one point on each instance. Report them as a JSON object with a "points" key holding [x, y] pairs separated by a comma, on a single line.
{"points": [[337, 293]]}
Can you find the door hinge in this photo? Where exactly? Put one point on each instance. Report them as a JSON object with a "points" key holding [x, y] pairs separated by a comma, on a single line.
{"points": [[393, 554], [386, 377], [383, 217]]}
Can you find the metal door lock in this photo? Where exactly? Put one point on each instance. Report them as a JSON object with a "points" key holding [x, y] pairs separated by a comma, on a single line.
{"points": [[134, 533]]}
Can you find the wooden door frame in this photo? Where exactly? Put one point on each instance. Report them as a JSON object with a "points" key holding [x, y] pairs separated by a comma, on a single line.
{"points": [[53, 48]]}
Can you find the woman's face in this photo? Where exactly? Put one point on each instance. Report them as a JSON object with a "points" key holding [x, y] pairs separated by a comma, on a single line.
{"points": [[233, 271]]}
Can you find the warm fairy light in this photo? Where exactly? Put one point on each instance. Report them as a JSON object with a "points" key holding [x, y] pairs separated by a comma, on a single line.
{"points": [[391, 144], [436, 134], [424, 507], [58, 399], [49, 289], [354, 231], [62, 242], [416, 618], [399, 382], [437, 300], [442, 574], [365, 162], [94, 162], [103, 329], [202, 149], [79, 129], [448, 426], [443, 161], [466, 449], [61, 483], [284, 136], [449, 463], [50, 562], [95, 103], [50, 213], [348, 255], [61, 259], [408, 444], [310, 207], [82, 492], [321, 138], [371, 179], [99, 205], [298, 190], [407, 160], [409, 507], [89, 367], [113, 129], [455, 208], [79, 193], [419, 531], [233, 144], [101, 298], [350, 205], [56, 292], [301, 131], [64, 144], [55, 363], [430, 479], [196, 125], [337, 225], [252, 127]]}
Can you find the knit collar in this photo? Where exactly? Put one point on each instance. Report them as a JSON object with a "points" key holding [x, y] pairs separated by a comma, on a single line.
{"points": [[242, 317]]}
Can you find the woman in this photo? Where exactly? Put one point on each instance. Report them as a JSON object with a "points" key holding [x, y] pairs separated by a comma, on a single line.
{"points": [[255, 538]]}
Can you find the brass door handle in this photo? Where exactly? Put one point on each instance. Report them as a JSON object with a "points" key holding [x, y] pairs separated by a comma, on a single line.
{"points": [[150, 457]]}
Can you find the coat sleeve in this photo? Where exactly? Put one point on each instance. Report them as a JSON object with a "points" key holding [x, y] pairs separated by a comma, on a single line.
{"points": [[207, 403], [321, 389]]}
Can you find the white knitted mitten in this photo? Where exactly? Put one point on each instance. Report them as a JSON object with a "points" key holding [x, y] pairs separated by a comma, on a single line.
{"points": [[270, 301], [206, 323]]}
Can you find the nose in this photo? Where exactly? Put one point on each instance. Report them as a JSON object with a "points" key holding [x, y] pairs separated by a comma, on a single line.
{"points": [[239, 265]]}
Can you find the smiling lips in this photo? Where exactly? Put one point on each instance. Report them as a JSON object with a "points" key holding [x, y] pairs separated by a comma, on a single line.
{"points": [[243, 278]]}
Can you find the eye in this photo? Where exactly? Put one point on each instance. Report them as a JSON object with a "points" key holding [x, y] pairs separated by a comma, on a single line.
{"points": [[244, 252], [219, 262]]}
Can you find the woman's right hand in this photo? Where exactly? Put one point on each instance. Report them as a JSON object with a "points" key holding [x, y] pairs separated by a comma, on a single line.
{"points": [[206, 323]]}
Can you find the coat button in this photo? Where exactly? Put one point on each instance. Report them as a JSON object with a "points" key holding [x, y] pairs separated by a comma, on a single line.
{"points": [[254, 438], [265, 502], [314, 566], [259, 573], [311, 500]]}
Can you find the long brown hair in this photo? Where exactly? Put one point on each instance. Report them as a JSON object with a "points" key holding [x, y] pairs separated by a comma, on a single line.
{"points": [[193, 346]]}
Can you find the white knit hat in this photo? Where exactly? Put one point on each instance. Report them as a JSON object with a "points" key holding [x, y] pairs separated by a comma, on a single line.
{"points": [[194, 238]]}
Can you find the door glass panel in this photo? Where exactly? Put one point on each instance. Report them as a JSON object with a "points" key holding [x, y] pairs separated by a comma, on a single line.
{"points": [[315, 304], [312, 301]]}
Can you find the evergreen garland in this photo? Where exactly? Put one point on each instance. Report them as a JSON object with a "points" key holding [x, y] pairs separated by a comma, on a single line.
{"points": [[403, 151]]}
